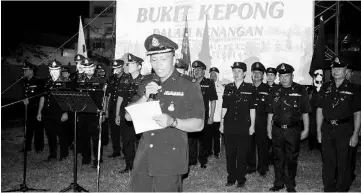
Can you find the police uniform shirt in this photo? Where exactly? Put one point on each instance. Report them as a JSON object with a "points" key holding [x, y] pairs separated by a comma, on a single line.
{"points": [[51, 106], [32, 87], [114, 82], [209, 92], [128, 88], [260, 95], [94, 86], [341, 102], [288, 104], [166, 150], [238, 103]]}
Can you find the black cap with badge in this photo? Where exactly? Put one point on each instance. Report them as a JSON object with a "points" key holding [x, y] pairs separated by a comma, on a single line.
{"points": [[213, 69], [240, 65], [157, 44], [199, 64], [338, 63], [271, 70], [79, 57], [180, 63], [258, 66], [118, 63], [284, 68], [54, 65], [27, 65]]}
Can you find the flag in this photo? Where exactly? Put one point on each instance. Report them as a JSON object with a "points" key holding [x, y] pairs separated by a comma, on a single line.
{"points": [[319, 51], [186, 55], [81, 41], [204, 55]]}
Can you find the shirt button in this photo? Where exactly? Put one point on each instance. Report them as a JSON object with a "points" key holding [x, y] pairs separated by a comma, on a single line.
{"points": [[152, 134], [151, 145]]}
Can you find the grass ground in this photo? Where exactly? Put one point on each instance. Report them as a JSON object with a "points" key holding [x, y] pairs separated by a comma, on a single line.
{"points": [[57, 175]]}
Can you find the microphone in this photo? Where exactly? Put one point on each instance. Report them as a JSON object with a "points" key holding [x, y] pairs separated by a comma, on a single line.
{"points": [[105, 87], [154, 96]]}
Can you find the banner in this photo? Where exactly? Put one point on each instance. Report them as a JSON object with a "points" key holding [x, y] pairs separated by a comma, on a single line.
{"points": [[271, 32]]}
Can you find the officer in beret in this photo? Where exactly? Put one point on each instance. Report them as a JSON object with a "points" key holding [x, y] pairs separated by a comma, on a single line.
{"points": [[32, 87], [127, 89], [112, 96], [259, 140], [286, 105], [338, 125], [161, 157], [209, 94], [53, 116], [238, 120], [88, 121], [181, 66], [214, 127]]}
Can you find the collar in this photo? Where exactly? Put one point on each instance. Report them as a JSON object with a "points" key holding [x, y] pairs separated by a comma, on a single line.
{"points": [[173, 77], [343, 84]]}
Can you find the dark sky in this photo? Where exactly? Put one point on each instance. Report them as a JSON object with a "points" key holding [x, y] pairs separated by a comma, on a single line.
{"points": [[56, 17]]}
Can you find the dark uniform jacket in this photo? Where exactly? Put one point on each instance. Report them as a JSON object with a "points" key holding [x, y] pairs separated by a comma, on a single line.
{"points": [[51, 105], [127, 89], [166, 150], [112, 88], [94, 86], [288, 104], [260, 95], [209, 93], [33, 87], [238, 103], [339, 103]]}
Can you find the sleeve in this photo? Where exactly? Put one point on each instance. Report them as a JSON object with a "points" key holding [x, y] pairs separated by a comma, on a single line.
{"points": [[305, 103], [121, 89], [356, 102], [320, 102], [194, 101], [213, 92], [226, 97], [252, 99], [269, 102], [110, 88]]}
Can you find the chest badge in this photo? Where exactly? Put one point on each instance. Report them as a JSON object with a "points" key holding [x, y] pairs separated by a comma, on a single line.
{"points": [[171, 107]]}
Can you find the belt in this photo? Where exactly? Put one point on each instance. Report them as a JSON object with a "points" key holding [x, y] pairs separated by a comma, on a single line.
{"points": [[285, 126], [337, 121]]}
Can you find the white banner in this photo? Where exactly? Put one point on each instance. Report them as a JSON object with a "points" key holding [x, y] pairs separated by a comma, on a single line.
{"points": [[271, 32]]}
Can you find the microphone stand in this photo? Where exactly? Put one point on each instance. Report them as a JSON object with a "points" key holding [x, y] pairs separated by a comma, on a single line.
{"points": [[22, 100], [101, 113], [12, 85], [23, 186]]}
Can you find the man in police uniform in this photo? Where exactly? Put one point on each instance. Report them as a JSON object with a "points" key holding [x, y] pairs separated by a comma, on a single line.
{"points": [[89, 121], [260, 139], [53, 116], [209, 95], [128, 90], [181, 66], [112, 96], [32, 87], [271, 74], [214, 127], [162, 155], [238, 119], [338, 124], [287, 103]]}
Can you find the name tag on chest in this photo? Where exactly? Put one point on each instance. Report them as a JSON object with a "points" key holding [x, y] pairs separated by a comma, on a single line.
{"points": [[204, 86], [173, 93]]}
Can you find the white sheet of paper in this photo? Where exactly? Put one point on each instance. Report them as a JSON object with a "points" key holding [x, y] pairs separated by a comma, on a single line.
{"points": [[142, 116]]}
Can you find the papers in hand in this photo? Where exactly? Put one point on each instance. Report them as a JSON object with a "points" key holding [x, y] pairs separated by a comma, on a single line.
{"points": [[142, 116]]}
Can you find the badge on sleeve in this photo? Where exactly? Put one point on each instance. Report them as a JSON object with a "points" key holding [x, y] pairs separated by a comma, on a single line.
{"points": [[171, 106]]}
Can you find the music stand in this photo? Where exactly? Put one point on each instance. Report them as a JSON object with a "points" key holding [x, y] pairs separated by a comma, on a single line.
{"points": [[75, 102]]}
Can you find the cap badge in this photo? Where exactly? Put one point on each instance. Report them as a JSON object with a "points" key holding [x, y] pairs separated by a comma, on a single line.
{"points": [[54, 64], [86, 61], [257, 65], [155, 42], [337, 60], [283, 67], [78, 58], [115, 63]]}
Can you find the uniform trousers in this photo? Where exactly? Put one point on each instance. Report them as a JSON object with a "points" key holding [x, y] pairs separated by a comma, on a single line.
{"points": [[312, 136], [129, 140], [215, 135], [34, 129], [114, 130], [202, 138], [55, 129], [236, 156], [259, 143], [286, 147], [88, 135], [335, 141]]}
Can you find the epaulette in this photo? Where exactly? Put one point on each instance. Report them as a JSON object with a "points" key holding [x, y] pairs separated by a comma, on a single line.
{"points": [[189, 78]]}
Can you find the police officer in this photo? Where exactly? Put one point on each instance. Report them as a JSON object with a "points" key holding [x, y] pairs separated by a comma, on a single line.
{"points": [[53, 116], [181, 66], [287, 103], [78, 59], [162, 154], [209, 94], [338, 124], [128, 90], [89, 121], [259, 140], [32, 87], [112, 94], [271, 74], [238, 116], [214, 127]]}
